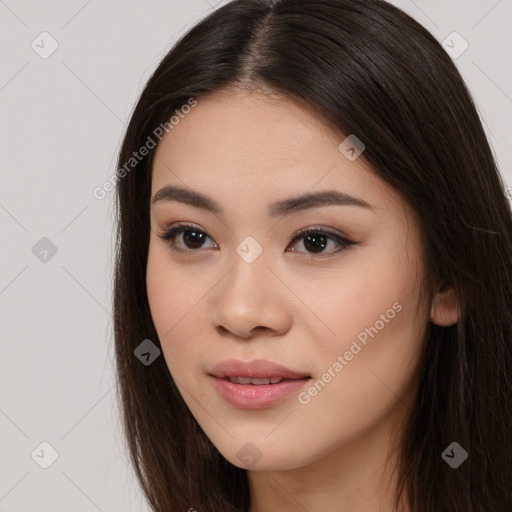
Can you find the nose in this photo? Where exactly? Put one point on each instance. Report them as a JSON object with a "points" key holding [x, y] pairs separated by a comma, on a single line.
{"points": [[251, 301]]}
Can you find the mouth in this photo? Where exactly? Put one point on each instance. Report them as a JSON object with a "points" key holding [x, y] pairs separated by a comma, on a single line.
{"points": [[256, 396], [257, 371], [262, 381], [257, 384]]}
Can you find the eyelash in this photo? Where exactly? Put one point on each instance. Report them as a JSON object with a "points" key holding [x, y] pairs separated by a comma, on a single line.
{"points": [[170, 234]]}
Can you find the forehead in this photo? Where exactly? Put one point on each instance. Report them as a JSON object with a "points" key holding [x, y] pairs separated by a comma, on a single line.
{"points": [[247, 147], [236, 124]]}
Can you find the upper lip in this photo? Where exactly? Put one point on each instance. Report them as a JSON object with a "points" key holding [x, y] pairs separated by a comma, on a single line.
{"points": [[258, 368]]}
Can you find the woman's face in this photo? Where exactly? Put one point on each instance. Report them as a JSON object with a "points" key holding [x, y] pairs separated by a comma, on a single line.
{"points": [[244, 285]]}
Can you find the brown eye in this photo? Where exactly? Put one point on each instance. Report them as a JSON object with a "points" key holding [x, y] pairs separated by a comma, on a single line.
{"points": [[193, 238], [316, 240]]}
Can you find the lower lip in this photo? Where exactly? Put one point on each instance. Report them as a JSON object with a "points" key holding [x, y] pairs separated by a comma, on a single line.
{"points": [[249, 396]]}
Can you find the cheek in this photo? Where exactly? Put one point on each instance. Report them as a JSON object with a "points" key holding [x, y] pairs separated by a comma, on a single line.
{"points": [[174, 296], [164, 302], [161, 302], [170, 293], [365, 374], [370, 284], [375, 325]]}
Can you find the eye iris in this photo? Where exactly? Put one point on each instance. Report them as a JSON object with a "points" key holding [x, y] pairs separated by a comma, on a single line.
{"points": [[196, 238], [314, 239]]}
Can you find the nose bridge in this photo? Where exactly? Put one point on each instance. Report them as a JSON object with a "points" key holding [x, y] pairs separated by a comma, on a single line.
{"points": [[247, 299], [249, 267]]}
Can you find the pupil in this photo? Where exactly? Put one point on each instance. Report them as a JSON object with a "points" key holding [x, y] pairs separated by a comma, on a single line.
{"points": [[195, 237], [315, 239]]}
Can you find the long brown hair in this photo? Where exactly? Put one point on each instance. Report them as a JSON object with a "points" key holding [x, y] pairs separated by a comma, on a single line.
{"points": [[370, 70]]}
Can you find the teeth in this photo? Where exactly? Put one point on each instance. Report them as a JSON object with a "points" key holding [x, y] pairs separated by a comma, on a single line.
{"points": [[255, 381], [260, 381]]}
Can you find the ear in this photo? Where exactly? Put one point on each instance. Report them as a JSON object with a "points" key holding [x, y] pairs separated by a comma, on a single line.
{"points": [[445, 307]]}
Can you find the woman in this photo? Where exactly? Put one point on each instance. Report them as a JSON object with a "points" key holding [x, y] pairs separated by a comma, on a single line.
{"points": [[314, 235]]}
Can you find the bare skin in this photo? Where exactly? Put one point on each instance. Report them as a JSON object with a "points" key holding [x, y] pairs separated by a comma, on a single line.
{"points": [[330, 450]]}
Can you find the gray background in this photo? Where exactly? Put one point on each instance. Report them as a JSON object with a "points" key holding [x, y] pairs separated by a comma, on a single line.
{"points": [[62, 119]]}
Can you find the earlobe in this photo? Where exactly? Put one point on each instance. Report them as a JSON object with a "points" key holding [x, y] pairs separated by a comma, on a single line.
{"points": [[445, 308]]}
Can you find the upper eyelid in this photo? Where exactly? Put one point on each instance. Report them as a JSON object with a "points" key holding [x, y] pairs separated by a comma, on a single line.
{"points": [[185, 225]]}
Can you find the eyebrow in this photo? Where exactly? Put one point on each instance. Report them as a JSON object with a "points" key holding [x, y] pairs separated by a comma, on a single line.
{"points": [[282, 207]]}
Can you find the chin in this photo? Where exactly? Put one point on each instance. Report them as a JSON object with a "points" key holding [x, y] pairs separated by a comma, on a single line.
{"points": [[261, 456]]}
